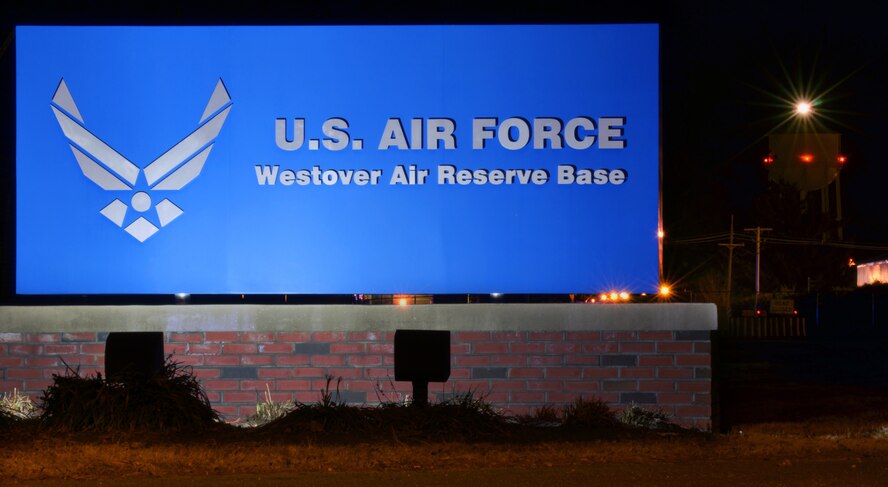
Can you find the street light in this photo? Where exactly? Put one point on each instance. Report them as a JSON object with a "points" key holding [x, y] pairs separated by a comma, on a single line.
{"points": [[803, 108]]}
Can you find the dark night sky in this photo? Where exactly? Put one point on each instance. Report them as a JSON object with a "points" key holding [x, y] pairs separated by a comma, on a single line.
{"points": [[723, 65]]}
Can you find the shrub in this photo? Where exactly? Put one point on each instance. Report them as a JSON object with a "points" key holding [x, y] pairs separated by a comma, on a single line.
{"points": [[587, 413], [17, 405], [170, 400], [635, 415]]}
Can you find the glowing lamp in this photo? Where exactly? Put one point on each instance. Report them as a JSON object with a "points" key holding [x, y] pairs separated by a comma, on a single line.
{"points": [[402, 302], [768, 159], [803, 108], [806, 158], [664, 290], [624, 296], [841, 159]]}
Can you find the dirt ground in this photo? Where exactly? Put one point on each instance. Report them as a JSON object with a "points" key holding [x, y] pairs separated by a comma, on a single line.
{"points": [[778, 429]]}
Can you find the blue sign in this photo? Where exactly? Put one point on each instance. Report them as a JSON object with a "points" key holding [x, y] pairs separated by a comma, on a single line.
{"points": [[334, 160]]}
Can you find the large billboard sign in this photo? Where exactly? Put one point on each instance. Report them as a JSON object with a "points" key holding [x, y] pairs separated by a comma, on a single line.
{"points": [[337, 159]]}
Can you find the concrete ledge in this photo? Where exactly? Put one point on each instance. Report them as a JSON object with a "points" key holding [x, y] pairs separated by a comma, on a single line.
{"points": [[456, 317]]}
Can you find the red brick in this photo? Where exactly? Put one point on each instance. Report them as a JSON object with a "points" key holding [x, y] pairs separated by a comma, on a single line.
{"points": [[655, 360], [239, 396], [257, 359], [374, 387], [308, 372], [702, 347], [655, 335], [583, 336], [347, 373], [295, 336], [364, 360], [380, 348], [24, 373], [202, 373], [600, 372], [697, 359], [97, 348], [175, 348], [545, 360], [581, 386], [691, 411], [81, 360], [471, 336], [526, 372], [37, 386], [59, 349], [240, 348], [221, 336], [656, 386], [222, 385], [347, 347], [675, 372], [636, 347], [460, 373], [257, 337], [186, 337], [79, 337], [192, 360], [275, 348], [545, 385], [328, 336], [549, 336], [508, 385], [527, 347], [619, 335], [705, 399], [675, 347], [205, 348], [511, 360], [600, 347], [8, 385], [214, 397], [695, 386], [227, 411], [563, 348], [291, 359], [490, 348], [6, 362], [638, 372], [307, 397], [43, 337], [582, 359], [256, 385], [365, 336], [508, 336], [534, 397], [10, 337], [328, 360], [273, 372], [471, 360], [675, 398], [568, 397], [564, 372], [460, 349], [220, 359]]}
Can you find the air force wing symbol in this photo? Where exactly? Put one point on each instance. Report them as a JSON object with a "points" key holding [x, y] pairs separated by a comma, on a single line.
{"points": [[111, 171]]}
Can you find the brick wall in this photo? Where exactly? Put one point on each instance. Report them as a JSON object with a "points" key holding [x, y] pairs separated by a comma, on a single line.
{"points": [[517, 370]]}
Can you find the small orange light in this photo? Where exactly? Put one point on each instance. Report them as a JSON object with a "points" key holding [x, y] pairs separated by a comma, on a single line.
{"points": [[795, 311], [402, 302], [768, 159], [842, 159], [614, 296], [851, 263], [624, 296], [807, 158], [661, 234], [664, 290]]}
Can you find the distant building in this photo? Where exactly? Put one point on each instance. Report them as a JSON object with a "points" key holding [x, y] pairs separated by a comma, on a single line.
{"points": [[872, 273]]}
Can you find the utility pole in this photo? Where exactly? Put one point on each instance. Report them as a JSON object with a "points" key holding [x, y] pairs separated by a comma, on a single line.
{"points": [[758, 258], [731, 246]]}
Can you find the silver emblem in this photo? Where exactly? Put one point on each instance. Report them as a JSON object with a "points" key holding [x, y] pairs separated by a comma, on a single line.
{"points": [[171, 171]]}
